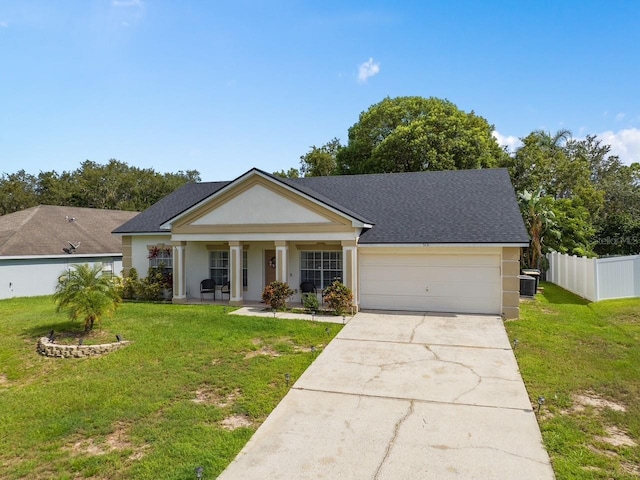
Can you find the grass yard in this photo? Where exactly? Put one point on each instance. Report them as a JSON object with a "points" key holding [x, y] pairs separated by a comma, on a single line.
{"points": [[584, 358], [190, 391]]}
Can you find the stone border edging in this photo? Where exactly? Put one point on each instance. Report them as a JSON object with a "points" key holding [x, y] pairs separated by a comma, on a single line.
{"points": [[48, 349]]}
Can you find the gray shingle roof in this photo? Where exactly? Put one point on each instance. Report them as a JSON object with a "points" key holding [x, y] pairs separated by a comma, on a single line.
{"points": [[170, 206], [46, 229], [462, 206]]}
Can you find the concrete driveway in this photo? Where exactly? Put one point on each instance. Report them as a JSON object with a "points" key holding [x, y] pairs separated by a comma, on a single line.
{"points": [[403, 396]]}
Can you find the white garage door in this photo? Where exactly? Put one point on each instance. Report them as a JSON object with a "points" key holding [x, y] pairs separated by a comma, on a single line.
{"points": [[435, 283]]}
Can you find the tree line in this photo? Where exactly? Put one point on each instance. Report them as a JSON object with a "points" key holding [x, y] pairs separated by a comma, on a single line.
{"points": [[575, 196], [113, 186]]}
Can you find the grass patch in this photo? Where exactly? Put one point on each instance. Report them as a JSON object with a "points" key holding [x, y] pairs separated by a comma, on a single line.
{"points": [[190, 390], [584, 358]]}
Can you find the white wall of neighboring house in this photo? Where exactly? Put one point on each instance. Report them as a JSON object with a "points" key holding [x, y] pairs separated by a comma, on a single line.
{"points": [[31, 276]]}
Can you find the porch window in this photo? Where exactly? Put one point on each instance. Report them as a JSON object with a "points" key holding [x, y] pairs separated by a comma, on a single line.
{"points": [[219, 267], [321, 268]]}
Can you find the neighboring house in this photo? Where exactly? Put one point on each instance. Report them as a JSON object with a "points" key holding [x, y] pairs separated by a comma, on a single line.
{"points": [[36, 245], [428, 241]]}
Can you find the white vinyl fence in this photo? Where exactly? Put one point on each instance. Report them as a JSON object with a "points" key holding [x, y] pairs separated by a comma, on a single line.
{"points": [[596, 278]]}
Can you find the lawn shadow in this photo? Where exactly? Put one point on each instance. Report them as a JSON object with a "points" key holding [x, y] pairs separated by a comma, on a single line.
{"points": [[64, 326], [560, 296]]}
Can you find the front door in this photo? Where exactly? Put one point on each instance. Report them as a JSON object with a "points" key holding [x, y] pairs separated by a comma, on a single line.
{"points": [[269, 266]]}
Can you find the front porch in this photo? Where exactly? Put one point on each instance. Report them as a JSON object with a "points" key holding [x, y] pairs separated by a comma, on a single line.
{"points": [[248, 266]]}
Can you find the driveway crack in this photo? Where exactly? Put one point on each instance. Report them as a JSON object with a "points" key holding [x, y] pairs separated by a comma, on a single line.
{"points": [[485, 447], [396, 429], [419, 324], [460, 364]]}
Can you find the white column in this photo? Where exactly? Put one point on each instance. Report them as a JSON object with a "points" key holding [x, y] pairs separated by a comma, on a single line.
{"points": [[179, 272], [350, 269], [235, 273], [282, 261]]}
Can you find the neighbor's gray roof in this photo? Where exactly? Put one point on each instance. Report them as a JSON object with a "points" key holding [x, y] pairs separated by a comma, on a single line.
{"points": [[462, 206], [46, 230]]}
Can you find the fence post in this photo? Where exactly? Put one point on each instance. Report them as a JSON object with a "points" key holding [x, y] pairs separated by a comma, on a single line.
{"points": [[596, 279]]}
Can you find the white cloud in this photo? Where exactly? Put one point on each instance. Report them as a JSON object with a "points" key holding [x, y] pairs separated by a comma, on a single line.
{"points": [[367, 70], [4, 24], [624, 143], [509, 141], [620, 116]]}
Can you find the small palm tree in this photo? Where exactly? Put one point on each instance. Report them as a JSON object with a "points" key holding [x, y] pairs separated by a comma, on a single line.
{"points": [[539, 219], [87, 293]]}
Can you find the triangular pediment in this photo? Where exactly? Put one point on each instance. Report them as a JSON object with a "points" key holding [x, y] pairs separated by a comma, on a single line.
{"points": [[260, 205]]}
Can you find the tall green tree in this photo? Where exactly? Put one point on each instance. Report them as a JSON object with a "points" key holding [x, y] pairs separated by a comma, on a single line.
{"points": [[291, 173], [17, 192], [542, 162], [596, 198], [575, 230], [86, 293], [410, 134], [321, 161]]}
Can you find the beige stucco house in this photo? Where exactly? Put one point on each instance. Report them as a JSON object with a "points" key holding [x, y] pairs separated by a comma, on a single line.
{"points": [[428, 241]]}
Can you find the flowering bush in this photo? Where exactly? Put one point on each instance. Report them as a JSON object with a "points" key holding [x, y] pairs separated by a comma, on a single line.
{"points": [[276, 294], [338, 297]]}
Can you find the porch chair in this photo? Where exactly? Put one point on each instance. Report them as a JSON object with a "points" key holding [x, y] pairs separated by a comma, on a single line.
{"points": [[225, 290], [307, 287], [208, 285]]}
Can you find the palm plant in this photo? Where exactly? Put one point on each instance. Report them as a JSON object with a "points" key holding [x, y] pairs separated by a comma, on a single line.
{"points": [[539, 219], [85, 292]]}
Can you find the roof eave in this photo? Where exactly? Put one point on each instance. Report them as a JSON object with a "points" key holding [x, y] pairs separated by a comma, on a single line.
{"points": [[445, 244], [57, 256]]}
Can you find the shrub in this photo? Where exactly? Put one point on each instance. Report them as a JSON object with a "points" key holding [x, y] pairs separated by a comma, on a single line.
{"points": [[310, 302], [276, 294], [129, 284], [338, 297], [150, 288]]}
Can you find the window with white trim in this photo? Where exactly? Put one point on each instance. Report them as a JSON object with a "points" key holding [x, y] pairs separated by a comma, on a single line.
{"points": [[321, 268], [219, 267], [161, 259]]}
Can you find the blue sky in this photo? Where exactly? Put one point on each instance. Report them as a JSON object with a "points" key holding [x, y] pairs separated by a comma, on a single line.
{"points": [[221, 87]]}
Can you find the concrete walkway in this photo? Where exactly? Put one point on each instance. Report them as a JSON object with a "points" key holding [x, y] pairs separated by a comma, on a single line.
{"points": [[262, 311], [403, 396]]}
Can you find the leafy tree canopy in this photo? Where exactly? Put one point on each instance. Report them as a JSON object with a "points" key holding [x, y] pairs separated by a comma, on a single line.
{"points": [[318, 162], [594, 197], [114, 186], [291, 173], [411, 134]]}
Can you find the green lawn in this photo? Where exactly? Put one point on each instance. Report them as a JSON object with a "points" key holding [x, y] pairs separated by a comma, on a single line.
{"points": [[584, 358], [158, 408]]}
